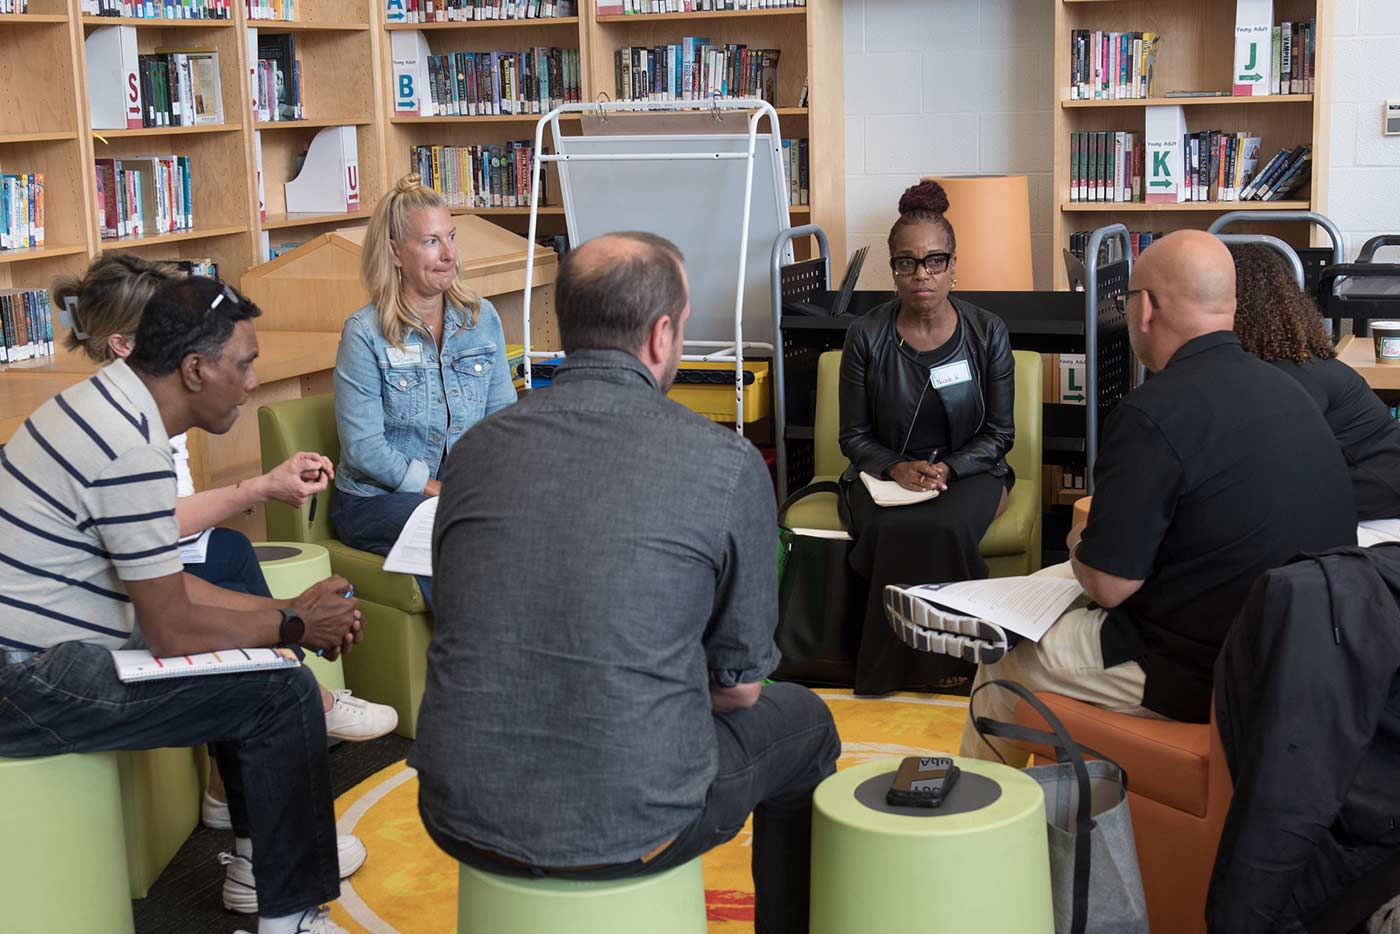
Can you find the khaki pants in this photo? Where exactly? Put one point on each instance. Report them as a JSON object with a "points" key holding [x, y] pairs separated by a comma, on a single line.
{"points": [[1067, 660]]}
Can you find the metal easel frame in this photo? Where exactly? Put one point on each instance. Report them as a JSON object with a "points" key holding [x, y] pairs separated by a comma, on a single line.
{"points": [[758, 109]]}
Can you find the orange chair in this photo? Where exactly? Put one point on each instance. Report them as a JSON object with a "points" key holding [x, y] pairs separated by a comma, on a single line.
{"points": [[1179, 791]]}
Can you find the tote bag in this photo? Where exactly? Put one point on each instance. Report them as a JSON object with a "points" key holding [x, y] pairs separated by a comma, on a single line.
{"points": [[1094, 875]]}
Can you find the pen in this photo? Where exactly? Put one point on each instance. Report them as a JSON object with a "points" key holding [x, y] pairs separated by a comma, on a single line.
{"points": [[321, 653], [315, 498]]}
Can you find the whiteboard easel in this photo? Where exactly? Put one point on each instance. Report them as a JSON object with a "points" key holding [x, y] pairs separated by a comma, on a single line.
{"points": [[623, 182]]}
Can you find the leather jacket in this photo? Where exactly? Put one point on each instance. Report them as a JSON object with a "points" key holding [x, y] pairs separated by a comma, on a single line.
{"points": [[880, 387]]}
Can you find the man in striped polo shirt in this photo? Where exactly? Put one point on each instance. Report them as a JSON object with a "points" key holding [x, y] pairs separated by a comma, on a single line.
{"points": [[90, 563]]}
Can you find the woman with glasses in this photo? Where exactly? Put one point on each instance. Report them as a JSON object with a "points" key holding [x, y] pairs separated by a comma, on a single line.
{"points": [[1278, 323], [927, 385]]}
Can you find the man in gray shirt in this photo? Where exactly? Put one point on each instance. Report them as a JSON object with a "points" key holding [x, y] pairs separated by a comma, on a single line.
{"points": [[606, 580]]}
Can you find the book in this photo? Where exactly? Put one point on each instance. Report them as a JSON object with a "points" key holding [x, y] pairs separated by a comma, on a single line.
{"points": [[1027, 606], [889, 493], [141, 665], [412, 552]]}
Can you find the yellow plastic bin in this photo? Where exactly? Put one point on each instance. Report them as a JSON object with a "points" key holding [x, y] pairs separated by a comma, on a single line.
{"points": [[715, 400], [980, 862], [290, 568]]}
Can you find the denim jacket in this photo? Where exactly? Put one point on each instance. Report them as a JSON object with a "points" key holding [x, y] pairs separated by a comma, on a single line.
{"points": [[399, 412]]}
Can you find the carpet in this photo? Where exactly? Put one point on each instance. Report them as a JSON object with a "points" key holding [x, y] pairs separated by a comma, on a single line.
{"points": [[409, 886]]}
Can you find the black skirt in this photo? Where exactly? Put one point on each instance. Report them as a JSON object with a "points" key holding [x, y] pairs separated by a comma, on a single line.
{"points": [[932, 542]]}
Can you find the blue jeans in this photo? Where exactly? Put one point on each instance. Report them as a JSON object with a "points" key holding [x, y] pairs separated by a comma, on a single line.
{"points": [[373, 524], [266, 729], [230, 563], [772, 756]]}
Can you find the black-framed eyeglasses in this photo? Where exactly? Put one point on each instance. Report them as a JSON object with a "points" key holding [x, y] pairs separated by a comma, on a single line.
{"points": [[1128, 296], [933, 264]]}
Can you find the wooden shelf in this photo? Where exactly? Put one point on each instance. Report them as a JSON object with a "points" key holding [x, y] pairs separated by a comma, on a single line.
{"points": [[166, 131], [801, 210], [281, 25], [1188, 101], [309, 124], [57, 136], [702, 14], [42, 252], [1138, 207], [158, 23], [199, 233], [283, 221], [31, 19], [490, 23], [491, 118], [511, 212]]}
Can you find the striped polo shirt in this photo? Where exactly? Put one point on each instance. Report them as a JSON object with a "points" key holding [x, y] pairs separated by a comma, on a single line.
{"points": [[87, 500]]}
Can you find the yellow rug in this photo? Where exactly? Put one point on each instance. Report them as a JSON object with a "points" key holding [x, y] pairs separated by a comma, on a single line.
{"points": [[410, 886]]}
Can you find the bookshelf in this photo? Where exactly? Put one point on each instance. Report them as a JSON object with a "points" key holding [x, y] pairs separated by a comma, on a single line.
{"points": [[344, 50], [336, 46], [806, 34], [1196, 54]]}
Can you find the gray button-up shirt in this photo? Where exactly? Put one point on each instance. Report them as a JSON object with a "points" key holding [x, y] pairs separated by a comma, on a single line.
{"points": [[602, 555]]}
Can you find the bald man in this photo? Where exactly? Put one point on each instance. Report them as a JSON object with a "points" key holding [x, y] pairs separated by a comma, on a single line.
{"points": [[605, 604], [1213, 471]]}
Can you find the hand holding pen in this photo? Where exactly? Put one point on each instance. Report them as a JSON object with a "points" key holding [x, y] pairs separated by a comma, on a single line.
{"points": [[936, 472]]}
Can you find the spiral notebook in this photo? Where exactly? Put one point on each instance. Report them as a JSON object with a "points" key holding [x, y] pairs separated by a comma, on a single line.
{"points": [[140, 665]]}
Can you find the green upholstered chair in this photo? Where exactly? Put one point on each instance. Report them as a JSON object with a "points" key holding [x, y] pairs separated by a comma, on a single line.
{"points": [[671, 901], [1012, 543], [389, 666], [61, 859]]}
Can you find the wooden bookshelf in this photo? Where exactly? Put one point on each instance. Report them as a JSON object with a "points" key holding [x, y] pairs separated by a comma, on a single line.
{"points": [[488, 24], [1197, 53], [338, 51]]}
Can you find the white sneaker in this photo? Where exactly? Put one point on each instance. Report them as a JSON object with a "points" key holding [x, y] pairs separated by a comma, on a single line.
{"points": [[927, 627], [213, 813], [315, 921], [358, 720], [241, 895]]}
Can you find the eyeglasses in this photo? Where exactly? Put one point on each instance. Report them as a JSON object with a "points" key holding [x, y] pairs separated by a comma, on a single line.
{"points": [[933, 264], [1128, 296]]}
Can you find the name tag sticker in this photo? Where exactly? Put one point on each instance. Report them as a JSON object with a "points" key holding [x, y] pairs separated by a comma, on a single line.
{"points": [[950, 375], [411, 355]]}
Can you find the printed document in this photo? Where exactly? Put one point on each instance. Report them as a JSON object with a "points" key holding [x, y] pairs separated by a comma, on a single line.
{"points": [[1027, 606], [413, 552]]}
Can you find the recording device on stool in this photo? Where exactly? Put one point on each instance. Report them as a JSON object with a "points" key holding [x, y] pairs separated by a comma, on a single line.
{"points": [[922, 782]]}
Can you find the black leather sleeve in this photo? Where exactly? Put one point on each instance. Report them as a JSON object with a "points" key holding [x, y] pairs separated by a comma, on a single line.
{"points": [[986, 450], [858, 440]]}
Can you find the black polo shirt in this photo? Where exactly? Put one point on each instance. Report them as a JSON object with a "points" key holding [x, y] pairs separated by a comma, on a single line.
{"points": [[1217, 469]]}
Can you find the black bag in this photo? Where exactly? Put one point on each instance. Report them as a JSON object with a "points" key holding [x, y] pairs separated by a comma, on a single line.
{"points": [[821, 601]]}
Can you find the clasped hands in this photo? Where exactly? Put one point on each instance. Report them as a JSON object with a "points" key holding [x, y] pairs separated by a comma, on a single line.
{"points": [[920, 477]]}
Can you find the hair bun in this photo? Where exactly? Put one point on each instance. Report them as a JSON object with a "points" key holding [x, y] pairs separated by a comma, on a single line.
{"points": [[410, 182], [925, 197]]}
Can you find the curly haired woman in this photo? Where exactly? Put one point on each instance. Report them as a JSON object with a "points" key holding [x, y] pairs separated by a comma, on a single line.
{"points": [[1277, 322]]}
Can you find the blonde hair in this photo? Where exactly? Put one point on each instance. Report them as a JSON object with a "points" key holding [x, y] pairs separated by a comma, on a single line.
{"points": [[388, 226], [109, 298]]}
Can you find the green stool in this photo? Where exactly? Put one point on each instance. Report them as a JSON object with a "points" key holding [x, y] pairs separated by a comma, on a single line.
{"points": [[290, 568], [672, 901], [63, 862], [978, 863]]}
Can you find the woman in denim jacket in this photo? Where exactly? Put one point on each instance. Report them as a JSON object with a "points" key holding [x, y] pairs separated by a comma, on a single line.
{"points": [[417, 367]]}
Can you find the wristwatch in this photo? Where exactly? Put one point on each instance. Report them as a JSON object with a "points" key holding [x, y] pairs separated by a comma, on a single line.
{"points": [[292, 628]]}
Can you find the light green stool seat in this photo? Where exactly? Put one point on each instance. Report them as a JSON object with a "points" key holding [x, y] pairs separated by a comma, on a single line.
{"points": [[290, 568], [673, 902], [985, 870], [63, 855]]}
